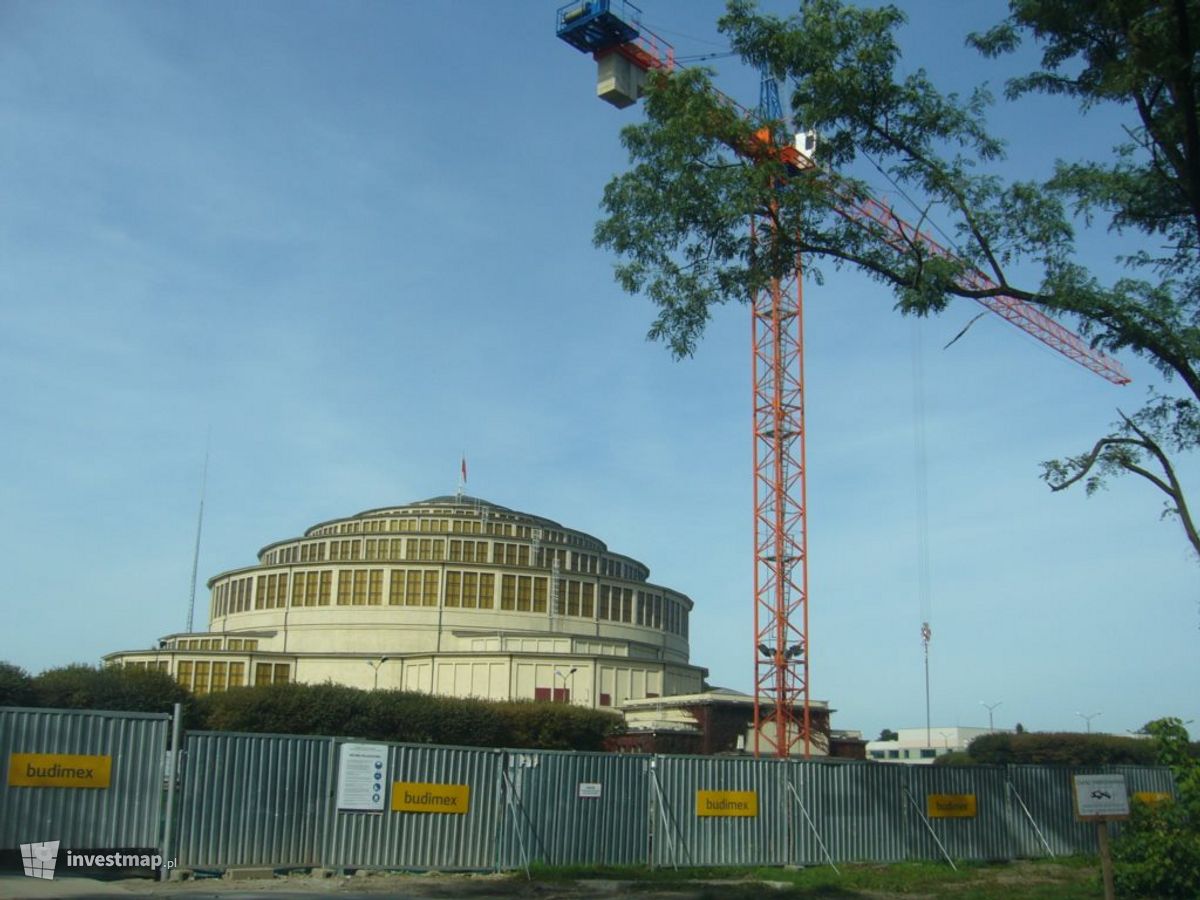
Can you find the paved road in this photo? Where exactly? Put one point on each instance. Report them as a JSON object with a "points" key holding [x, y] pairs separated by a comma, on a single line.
{"points": [[373, 887]]}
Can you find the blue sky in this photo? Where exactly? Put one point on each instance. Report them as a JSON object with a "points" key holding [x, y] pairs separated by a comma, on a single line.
{"points": [[352, 240]]}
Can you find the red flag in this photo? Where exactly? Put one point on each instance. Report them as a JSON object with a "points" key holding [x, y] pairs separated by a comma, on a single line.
{"points": [[464, 469]]}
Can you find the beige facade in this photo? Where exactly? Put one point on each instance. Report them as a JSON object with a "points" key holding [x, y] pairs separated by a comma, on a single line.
{"points": [[452, 596]]}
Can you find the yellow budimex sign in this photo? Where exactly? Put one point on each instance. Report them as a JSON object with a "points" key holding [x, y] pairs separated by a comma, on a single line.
{"points": [[413, 796], [951, 806], [727, 803], [59, 770]]}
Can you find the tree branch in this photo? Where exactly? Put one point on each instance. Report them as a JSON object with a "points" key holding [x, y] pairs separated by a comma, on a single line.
{"points": [[1144, 441], [1175, 492]]}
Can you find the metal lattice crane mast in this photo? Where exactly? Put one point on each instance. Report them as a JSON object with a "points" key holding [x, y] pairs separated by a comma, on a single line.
{"points": [[625, 54], [781, 663]]}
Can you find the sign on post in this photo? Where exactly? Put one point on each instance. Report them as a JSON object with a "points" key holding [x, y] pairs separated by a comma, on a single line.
{"points": [[361, 772], [1100, 797]]}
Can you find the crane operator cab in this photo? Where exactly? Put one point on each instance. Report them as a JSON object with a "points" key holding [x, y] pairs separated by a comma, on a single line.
{"points": [[624, 51], [805, 144]]}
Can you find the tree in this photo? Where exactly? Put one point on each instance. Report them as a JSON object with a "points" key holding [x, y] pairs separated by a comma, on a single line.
{"points": [[1158, 853], [16, 686], [888, 735], [677, 217]]}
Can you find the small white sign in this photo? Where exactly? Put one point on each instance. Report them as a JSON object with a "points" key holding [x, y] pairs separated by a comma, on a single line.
{"points": [[1101, 797], [590, 790], [362, 777]]}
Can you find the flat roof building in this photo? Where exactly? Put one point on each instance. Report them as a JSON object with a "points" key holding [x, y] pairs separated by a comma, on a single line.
{"points": [[918, 745]]}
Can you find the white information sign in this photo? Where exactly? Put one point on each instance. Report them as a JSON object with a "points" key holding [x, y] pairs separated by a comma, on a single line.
{"points": [[362, 775], [1101, 797], [590, 790]]}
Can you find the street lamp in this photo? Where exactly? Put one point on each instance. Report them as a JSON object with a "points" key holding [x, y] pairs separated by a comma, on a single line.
{"points": [[564, 678], [1088, 719], [990, 707], [375, 664]]}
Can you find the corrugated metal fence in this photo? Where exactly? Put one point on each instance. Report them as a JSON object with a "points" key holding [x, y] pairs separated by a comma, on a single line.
{"points": [[259, 800], [271, 800], [124, 813]]}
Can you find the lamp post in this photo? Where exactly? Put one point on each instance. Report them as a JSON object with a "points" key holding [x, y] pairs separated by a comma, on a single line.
{"points": [[990, 708], [563, 676], [375, 664], [1088, 719]]}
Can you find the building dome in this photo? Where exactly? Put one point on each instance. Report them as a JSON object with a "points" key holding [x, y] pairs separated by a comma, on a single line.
{"points": [[452, 595]]}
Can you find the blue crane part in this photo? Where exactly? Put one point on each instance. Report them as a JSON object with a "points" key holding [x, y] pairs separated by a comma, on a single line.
{"points": [[597, 25]]}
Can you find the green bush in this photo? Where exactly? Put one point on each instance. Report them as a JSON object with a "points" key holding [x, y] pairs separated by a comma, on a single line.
{"points": [[329, 709], [1158, 853], [556, 726], [320, 709], [325, 709], [80, 686], [1061, 749], [955, 758]]}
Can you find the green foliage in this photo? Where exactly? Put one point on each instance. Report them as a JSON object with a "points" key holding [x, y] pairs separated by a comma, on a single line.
{"points": [[16, 686], [1158, 853], [1060, 749], [80, 686], [329, 709], [555, 726], [320, 709], [888, 735], [955, 758], [677, 218]]}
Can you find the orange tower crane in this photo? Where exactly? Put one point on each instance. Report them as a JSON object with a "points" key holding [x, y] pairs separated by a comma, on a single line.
{"points": [[625, 54]]}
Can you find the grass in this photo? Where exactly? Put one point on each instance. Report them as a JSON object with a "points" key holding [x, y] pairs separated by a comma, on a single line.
{"points": [[1072, 878]]}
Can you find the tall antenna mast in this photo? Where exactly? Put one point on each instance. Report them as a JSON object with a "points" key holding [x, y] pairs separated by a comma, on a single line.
{"points": [[921, 482], [926, 634], [199, 529]]}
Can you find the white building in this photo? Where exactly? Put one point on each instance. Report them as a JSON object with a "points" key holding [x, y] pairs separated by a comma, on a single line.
{"points": [[454, 596], [918, 745]]}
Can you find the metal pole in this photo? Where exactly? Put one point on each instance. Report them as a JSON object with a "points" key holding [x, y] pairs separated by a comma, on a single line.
{"points": [[932, 833], [1032, 821], [169, 823], [926, 634], [813, 827], [199, 528], [1106, 864], [990, 707]]}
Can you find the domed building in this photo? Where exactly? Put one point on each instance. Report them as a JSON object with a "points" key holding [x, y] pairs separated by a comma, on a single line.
{"points": [[454, 596]]}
